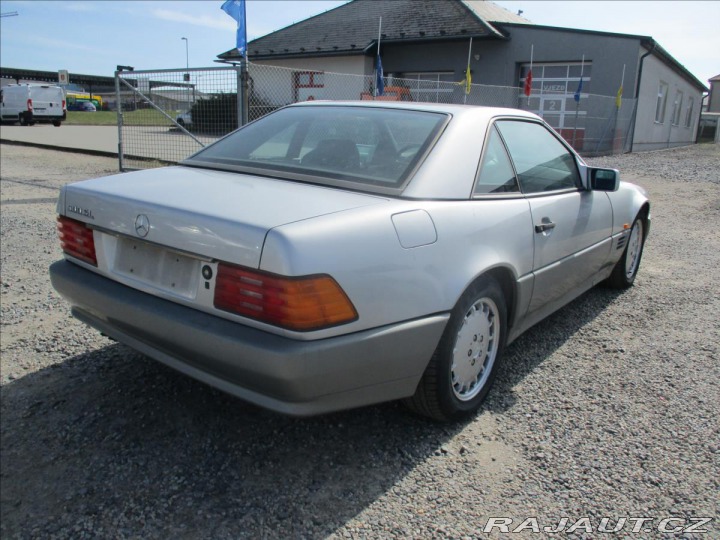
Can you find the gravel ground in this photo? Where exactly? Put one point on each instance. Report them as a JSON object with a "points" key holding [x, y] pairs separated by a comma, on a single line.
{"points": [[607, 409]]}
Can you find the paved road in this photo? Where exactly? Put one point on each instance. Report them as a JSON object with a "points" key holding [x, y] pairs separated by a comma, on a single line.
{"points": [[155, 142], [95, 138]]}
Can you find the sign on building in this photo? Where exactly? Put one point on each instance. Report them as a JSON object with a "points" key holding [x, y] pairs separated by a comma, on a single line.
{"points": [[63, 76]]}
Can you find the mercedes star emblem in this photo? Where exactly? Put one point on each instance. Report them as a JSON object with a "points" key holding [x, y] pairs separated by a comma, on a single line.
{"points": [[142, 225]]}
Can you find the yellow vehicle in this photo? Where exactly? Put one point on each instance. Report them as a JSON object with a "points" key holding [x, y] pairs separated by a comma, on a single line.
{"points": [[75, 98]]}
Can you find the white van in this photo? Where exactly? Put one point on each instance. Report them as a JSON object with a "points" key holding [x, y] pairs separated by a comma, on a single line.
{"points": [[30, 103]]}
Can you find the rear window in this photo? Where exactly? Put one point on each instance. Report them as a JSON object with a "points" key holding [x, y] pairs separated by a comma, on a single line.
{"points": [[368, 147]]}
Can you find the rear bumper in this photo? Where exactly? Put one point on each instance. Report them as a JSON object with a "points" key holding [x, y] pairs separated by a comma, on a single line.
{"points": [[42, 117], [285, 375]]}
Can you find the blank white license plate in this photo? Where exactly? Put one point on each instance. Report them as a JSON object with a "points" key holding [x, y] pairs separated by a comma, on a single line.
{"points": [[160, 268]]}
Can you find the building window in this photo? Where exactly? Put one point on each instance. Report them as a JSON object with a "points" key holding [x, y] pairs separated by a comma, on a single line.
{"points": [[309, 79], [661, 102], [689, 112], [553, 96], [307, 84], [429, 86], [677, 108]]}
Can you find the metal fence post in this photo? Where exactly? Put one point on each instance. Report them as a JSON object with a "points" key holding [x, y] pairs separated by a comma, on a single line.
{"points": [[118, 104], [241, 114], [243, 98]]}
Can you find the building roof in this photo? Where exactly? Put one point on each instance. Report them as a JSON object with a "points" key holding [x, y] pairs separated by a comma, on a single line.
{"points": [[655, 48], [353, 27], [716, 78], [491, 12], [52, 77]]}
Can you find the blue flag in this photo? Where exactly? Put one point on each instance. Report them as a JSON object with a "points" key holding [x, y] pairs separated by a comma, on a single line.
{"points": [[236, 9], [578, 91], [379, 82]]}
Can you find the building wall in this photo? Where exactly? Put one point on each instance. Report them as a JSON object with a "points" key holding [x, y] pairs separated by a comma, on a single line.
{"points": [[355, 65], [714, 99], [343, 77], [591, 125], [426, 57], [495, 62], [498, 64], [652, 134], [498, 61]]}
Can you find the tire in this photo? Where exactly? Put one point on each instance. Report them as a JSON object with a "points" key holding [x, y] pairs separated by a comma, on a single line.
{"points": [[626, 269], [463, 367], [56, 123]]}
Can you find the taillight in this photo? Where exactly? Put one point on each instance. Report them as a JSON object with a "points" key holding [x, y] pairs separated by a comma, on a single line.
{"points": [[76, 239], [29, 105], [63, 104], [296, 303]]}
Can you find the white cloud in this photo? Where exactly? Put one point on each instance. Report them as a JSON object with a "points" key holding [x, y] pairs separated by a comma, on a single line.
{"points": [[58, 43], [220, 22], [82, 7]]}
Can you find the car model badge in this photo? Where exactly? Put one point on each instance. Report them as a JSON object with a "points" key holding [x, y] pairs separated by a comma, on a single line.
{"points": [[142, 225]]}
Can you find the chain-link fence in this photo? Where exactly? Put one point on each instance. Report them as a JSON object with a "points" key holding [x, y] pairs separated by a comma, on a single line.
{"points": [[166, 115], [593, 125]]}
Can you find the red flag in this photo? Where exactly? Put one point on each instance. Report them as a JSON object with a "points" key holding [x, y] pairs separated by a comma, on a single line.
{"points": [[528, 83]]}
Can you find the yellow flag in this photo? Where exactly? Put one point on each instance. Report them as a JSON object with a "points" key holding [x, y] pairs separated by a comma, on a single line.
{"points": [[618, 97], [468, 80]]}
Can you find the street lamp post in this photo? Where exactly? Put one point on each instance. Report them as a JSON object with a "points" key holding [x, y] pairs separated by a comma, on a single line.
{"points": [[187, 59]]}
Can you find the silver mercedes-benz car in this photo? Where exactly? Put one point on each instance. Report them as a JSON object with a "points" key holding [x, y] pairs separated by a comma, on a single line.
{"points": [[333, 255]]}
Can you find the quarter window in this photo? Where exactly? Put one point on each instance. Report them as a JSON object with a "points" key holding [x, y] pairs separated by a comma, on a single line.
{"points": [[496, 172], [661, 103], [541, 161]]}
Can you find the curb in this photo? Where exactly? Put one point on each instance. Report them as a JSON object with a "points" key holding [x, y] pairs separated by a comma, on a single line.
{"points": [[100, 153]]}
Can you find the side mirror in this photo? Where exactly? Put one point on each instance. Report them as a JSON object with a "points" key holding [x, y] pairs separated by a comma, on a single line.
{"points": [[604, 179]]}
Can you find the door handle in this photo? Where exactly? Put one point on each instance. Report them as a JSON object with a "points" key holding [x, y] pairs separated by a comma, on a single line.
{"points": [[546, 225]]}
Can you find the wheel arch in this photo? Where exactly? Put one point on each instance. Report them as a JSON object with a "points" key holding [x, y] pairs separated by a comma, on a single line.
{"points": [[644, 214], [508, 284]]}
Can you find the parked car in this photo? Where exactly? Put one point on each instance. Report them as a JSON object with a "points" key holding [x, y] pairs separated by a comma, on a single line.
{"points": [[32, 103], [334, 255], [85, 106], [184, 119]]}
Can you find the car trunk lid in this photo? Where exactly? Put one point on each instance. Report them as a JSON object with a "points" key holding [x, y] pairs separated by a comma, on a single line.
{"points": [[210, 214]]}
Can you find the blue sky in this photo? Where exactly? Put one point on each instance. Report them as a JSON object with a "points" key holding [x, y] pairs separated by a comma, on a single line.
{"points": [[92, 37]]}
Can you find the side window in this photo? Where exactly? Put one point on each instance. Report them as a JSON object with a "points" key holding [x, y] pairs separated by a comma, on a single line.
{"points": [[496, 172], [541, 161]]}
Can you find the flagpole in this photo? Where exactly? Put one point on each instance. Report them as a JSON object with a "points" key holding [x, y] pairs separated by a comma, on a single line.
{"points": [[618, 101], [532, 50], [467, 72], [577, 102], [375, 93]]}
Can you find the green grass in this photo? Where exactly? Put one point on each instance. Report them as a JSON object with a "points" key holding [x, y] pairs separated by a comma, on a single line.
{"points": [[144, 117]]}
